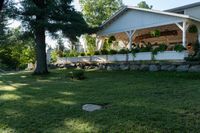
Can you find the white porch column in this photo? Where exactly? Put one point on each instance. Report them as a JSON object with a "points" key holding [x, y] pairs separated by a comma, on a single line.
{"points": [[130, 37], [184, 34], [97, 43], [84, 41], [184, 28]]}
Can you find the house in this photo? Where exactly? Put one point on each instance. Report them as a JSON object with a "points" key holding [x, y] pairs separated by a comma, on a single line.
{"points": [[132, 25]]}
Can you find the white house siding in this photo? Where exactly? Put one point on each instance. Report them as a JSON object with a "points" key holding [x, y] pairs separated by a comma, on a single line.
{"points": [[135, 19], [194, 12]]}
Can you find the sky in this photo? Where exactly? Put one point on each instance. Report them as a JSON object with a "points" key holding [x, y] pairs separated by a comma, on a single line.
{"points": [[157, 4]]}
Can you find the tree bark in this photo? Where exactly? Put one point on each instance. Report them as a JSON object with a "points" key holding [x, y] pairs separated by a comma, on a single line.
{"points": [[41, 61], [1, 4]]}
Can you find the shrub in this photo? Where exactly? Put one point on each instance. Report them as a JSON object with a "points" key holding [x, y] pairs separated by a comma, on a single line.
{"points": [[111, 39], [123, 51], [60, 53], [155, 33], [97, 53], [73, 53], [82, 54], [179, 48], [192, 29], [135, 50], [195, 57], [161, 48], [23, 66], [112, 52], [104, 52], [91, 43], [192, 58], [196, 47], [78, 74], [148, 48], [66, 54], [88, 54]]}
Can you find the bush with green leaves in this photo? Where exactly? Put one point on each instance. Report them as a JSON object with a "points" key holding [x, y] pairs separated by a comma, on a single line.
{"points": [[73, 53], [179, 48], [112, 52], [161, 48], [123, 51], [155, 33], [77, 74], [111, 39], [147, 48], [97, 53], [193, 58], [17, 49], [88, 54], [82, 54], [135, 50], [196, 47], [193, 29], [104, 52], [91, 44], [54, 56]]}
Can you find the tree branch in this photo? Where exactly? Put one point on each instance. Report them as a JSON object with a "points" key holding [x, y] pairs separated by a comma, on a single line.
{"points": [[39, 3]]}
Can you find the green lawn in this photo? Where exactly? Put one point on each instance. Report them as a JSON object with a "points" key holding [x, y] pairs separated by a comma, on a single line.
{"points": [[140, 102]]}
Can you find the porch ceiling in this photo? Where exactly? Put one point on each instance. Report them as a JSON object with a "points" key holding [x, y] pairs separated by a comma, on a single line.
{"points": [[169, 39]]}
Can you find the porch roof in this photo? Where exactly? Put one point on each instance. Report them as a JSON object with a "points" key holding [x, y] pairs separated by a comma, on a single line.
{"points": [[133, 18]]}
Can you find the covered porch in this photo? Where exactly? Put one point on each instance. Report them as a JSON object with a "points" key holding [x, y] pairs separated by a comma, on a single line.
{"points": [[137, 28]]}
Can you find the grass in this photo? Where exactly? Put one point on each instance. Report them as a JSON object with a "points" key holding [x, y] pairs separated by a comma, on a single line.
{"points": [[140, 102]]}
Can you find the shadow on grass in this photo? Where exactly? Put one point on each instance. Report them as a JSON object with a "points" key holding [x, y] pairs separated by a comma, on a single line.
{"points": [[141, 102]]}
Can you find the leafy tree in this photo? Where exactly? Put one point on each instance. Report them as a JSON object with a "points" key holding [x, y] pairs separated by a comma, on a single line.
{"points": [[143, 4], [91, 44], [97, 11], [39, 16], [18, 50], [3, 22]]}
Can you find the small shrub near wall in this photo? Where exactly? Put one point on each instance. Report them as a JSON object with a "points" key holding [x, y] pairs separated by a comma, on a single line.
{"points": [[161, 48], [112, 52], [104, 52], [123, 51], [97, 53], [179, 48], [77, 74]]}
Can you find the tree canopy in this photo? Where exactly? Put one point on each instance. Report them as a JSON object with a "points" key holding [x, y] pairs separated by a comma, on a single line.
{"points": [[39, 16], [143, 4], [97, 11]]}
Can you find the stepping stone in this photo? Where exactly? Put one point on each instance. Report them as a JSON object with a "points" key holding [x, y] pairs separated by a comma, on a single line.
{"points": [[91, 107]]}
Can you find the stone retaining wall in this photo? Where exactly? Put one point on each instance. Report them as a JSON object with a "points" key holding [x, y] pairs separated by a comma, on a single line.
{"points": [[135, 66]]}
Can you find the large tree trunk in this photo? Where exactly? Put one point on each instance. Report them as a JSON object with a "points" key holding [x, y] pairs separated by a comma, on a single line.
{"points": [[41, 61], [1, 4]]}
